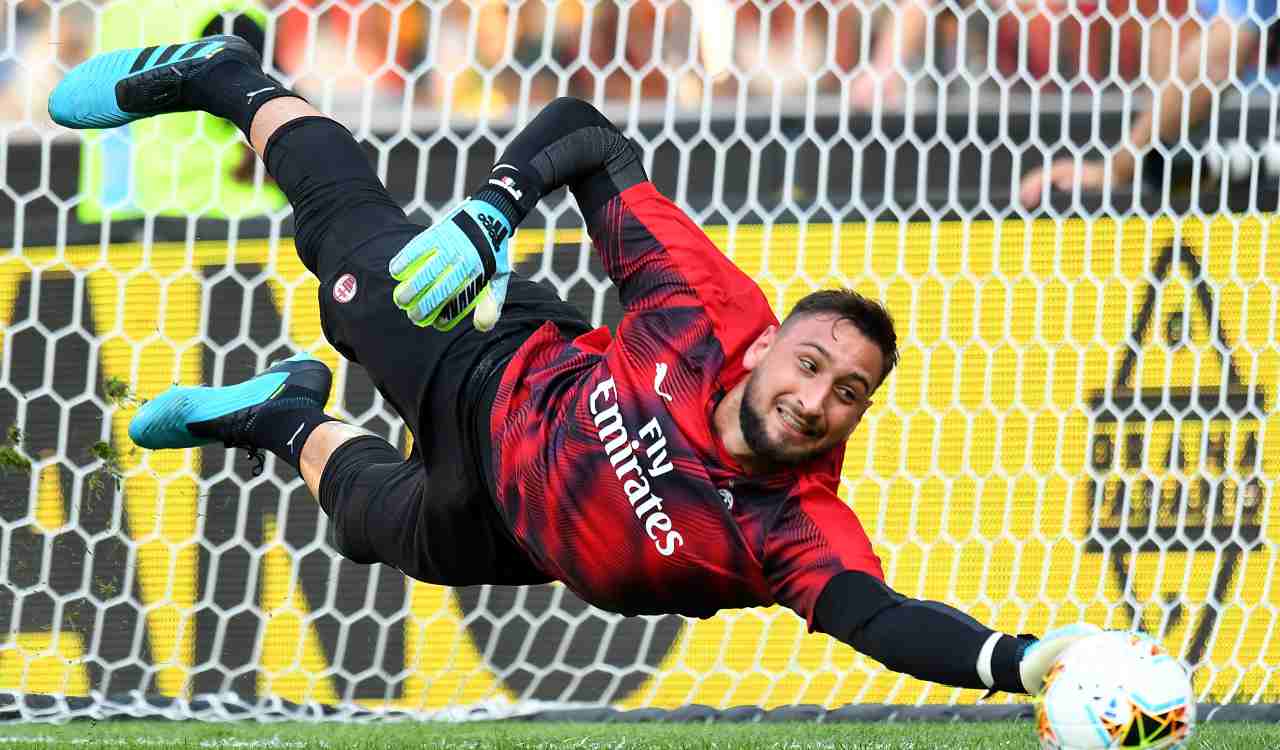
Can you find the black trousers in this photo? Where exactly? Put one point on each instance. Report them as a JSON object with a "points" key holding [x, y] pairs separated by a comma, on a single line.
{"points": [[432, 515]]}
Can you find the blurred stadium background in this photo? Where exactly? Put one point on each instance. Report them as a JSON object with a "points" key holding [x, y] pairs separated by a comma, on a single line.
{"points": [[1083, 426]]}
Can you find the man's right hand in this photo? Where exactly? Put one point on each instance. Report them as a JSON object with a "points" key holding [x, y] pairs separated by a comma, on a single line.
{"points": [[1040, 656], [1065, 176], [862, 94], [459, 264]]}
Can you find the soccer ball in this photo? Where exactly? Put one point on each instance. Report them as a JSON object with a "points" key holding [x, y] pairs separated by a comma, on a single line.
{"points": [[1115, 690]]}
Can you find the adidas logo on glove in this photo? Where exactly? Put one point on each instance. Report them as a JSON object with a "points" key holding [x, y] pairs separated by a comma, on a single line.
{"points": [[497, 232]]}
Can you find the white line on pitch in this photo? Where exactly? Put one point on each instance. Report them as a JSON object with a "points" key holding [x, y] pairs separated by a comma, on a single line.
{"points": [[275, 743]]}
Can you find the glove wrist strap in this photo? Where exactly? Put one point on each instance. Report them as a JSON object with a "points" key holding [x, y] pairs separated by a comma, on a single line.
{"points": [[510, 210], [1004, 663], [984, 660], [511, 191]]}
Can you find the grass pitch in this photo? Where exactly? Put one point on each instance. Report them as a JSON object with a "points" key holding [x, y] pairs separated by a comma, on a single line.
{"points": [[123, 735]]}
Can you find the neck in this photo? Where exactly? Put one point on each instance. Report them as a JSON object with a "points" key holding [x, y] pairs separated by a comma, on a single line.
{"points": [[728, 427]]}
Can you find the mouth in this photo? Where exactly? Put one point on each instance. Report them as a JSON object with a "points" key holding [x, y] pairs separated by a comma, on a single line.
{"points": [[794, 424]]}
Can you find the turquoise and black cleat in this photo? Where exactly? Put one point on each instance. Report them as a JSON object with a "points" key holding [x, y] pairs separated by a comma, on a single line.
{"points": [[115, 88], [186, 417]]}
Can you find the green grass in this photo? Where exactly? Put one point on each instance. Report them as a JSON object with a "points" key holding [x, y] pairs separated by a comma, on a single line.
{"points": [[393, 736]]}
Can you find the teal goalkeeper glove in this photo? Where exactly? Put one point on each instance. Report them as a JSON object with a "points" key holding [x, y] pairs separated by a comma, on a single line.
{"points": [[1041, 655], [457, 265]]}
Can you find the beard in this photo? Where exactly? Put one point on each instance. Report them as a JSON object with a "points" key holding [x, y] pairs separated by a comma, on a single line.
{"points": [[755, 432]]}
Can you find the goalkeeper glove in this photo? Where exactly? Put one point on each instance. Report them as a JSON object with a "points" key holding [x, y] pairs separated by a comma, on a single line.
{"points": [[457, 265], [1040, 656]]}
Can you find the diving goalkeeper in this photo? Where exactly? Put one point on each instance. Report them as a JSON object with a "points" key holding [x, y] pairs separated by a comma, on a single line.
{"points": [[685, 464]]}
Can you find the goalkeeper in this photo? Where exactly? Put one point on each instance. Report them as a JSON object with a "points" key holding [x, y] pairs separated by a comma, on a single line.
{"points": [[688, 463]]}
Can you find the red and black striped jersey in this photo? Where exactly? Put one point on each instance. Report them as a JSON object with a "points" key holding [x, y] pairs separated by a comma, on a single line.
{"points": [[609, 472]]}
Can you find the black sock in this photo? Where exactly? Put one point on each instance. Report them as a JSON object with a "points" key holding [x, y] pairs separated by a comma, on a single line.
{"points": [[283, 425], [233, 90]]}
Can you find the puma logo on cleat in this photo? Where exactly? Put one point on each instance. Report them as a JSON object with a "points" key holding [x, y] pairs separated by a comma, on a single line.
{"points": [[289, 444], [497, 232]]}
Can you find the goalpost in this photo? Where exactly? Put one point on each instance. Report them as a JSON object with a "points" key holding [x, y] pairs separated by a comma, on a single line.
{"points": [[1083, 424]]}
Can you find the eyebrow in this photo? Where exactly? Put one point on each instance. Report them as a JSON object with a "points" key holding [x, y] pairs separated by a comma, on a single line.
{"points": [[826, 354]]}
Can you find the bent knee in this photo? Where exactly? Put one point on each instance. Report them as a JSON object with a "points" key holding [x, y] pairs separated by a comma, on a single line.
{"points": [[360, 480]]}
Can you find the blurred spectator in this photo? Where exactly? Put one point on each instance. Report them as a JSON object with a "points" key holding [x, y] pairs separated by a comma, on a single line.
{"points": [[549, 49], [37, 55], [483, 57], [900, 43], [1140, 25], [782, 48], [350, 49], [1026, 37], [606, 49], [1226, 36], [645, 49], [1045, 44], [182, 164]]}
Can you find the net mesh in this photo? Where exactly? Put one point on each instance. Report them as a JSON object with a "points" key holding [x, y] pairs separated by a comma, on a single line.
{"points": [[1083, 425]]}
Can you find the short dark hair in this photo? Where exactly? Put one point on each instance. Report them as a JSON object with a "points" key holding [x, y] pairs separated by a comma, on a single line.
{"points": [[867, 315]]}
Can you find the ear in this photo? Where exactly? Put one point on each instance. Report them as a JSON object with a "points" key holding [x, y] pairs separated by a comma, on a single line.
{"points": [[759, 348]]}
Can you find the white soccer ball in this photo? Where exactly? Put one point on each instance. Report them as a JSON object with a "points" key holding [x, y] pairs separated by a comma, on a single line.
{"points": [[1115, 690], [1271, 158], [1240, 160]]}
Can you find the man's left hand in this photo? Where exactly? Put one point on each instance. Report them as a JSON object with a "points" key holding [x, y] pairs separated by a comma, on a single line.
{"points": [[459, 264]]}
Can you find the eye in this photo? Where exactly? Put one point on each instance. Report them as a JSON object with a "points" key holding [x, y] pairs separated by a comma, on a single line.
{"points": [[848, 395], [808, 365]]}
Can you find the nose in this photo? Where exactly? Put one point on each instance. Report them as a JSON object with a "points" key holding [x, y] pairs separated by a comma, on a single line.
{"points": [[809, 403]]}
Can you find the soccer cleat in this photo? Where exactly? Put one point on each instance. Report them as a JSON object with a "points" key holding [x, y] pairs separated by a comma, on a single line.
{"points": [[115, 88], [186, 417]]}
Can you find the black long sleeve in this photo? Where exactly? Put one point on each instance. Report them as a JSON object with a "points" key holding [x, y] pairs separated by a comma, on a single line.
{"points": [[928, 640], [569, 143]]}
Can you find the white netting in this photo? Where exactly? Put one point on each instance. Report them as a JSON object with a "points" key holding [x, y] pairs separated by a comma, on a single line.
{"points": [[1083, 425]]}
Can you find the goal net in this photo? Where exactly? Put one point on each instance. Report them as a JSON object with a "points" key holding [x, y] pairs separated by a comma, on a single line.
{"points": [[1083, 425]]}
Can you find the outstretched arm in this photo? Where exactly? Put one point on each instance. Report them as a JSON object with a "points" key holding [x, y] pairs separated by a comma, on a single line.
{"points": [[821, 564], [933, 641], [924, 639]]}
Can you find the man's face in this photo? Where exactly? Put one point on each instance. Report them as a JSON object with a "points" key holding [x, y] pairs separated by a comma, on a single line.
{"points": [[809, 386]]}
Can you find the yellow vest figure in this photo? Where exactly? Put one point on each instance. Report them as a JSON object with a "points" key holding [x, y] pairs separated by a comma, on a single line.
{"points": [[182, 164]]}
